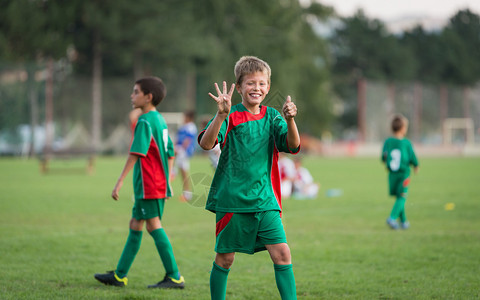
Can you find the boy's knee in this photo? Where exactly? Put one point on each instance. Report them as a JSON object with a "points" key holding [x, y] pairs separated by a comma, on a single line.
{"points": [[153, 224], [280, 254], [136, 224], [150, 228], [225, 260]]}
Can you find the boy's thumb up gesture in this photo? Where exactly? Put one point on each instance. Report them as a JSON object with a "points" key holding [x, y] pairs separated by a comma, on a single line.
{"points": [[289, 109]]}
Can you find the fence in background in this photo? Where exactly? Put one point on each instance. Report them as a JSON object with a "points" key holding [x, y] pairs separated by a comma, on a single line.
{"points": [[438, 115]]}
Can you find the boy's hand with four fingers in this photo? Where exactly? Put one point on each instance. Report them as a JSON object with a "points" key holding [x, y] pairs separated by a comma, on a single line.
{"points": [[224, 99]]}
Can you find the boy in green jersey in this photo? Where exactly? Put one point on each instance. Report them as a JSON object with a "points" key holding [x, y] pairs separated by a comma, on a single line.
{"points": [[398, 155], [151, 157], [245, 191]]}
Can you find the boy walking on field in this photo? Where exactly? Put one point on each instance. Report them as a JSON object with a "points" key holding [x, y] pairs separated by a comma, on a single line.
{"points": [[245, 191], [184, 149], [398, 155], [151, 157]]}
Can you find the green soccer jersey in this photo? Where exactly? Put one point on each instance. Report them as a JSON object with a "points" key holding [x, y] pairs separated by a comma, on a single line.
{"points": [[398, 155], [152, 143], [247, 177]]}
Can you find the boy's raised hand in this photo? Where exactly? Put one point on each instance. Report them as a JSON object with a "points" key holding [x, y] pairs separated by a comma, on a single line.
{"points": [[289, 109], [224, 99]]}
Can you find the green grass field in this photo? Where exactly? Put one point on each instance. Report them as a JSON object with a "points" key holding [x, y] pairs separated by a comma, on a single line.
{"points": [[57, 230]]}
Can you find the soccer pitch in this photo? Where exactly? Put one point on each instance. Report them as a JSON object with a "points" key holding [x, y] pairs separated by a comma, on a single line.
{"points": [[57, 230]]}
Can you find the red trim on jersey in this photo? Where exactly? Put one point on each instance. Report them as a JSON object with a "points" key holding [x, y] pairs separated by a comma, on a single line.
{"points": [[406, 182], [275, 179], [290, 150], [238, 117], [153, 173], [200, 135], [223, 223], [138, 154]]}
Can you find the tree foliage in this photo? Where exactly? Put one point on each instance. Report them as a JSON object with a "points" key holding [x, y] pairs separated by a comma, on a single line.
{"points": [[207, 38], [461, 39], [203, 39], [279, 33], [363, 48], [31, 32]]}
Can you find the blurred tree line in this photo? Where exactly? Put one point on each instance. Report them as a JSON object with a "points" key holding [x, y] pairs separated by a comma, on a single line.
{"points": [[363, 48], [201, 40]]}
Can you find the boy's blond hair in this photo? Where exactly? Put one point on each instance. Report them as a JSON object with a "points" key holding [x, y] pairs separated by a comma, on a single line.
{"points": [[398, 122], [249, 65]]}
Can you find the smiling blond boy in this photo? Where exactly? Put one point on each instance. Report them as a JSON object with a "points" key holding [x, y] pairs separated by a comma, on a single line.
{"points": [[245, 192]]}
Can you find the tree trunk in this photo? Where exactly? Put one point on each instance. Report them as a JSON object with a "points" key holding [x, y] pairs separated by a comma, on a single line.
{"points": [[191, 90], [417, 111], [137, 66], [97, 93], [362, 103], [32, 94], [49, 108]]}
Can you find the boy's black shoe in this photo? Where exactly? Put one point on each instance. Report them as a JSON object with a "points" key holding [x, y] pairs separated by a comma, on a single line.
{"points": [[169, 283], [110, 278]]}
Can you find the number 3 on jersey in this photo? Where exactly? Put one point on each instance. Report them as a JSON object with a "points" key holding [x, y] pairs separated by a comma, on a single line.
{"points": [[395, 159], [165, 139]]}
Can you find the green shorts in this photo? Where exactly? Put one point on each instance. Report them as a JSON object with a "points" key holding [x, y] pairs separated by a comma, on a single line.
{"points": [[248, 232], [398, 184], [148, 208]]}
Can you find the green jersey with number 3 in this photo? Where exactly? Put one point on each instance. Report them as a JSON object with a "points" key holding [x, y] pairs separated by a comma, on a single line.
{"points": [[398, 155]]}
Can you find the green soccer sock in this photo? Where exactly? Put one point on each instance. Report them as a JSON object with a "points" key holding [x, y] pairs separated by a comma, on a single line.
{"points": [[403, 216], [285, 281], [165, 250], [129, 252], [398, 208], [218, 282]]}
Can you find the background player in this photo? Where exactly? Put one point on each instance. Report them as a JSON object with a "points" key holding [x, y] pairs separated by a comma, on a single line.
{"points": [[304, 187], [151, 156], [398, 155], [213, 154], [184, 149], [288, 174], [245, 192]]}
